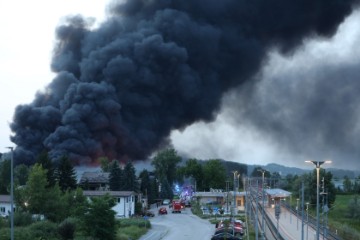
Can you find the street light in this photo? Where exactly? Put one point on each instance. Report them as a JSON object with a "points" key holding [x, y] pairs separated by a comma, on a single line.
{"points": [[317, 165], [307, 220], [12, 193], [263, 203], [297, 213], [236, 176]]}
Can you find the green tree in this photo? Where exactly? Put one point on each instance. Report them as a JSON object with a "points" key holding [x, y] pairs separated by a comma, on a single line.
{"points": [[21, 174], [99, 220], [195, 170], [130, 182], [38, 198], [347, 185], [5, 168], [165, 163], [77, 203], [145, 184], [165, 190], [257, 172], [310, 186], [289, 181], [353, 209], [154, 190], [44, 160], [116, 176], [214, 174], [66, 174], [104, 164]]}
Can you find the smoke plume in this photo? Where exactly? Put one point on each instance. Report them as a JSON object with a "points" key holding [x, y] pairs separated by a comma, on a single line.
{"points": [[155, 66]]}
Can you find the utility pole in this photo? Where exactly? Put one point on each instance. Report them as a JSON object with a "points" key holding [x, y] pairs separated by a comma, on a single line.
{"points": [[263, 204], [302, 210], [227, 196], [12, 194], [257, 213]]}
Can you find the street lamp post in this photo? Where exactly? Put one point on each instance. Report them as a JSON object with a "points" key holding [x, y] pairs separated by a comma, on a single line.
{"points": [[307, 220], [297, 214], [236, 176], [317, 165], [290, 210], [263, 203], [12, 193]]}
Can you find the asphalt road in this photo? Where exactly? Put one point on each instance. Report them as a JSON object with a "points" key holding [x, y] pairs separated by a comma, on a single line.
{"points": [[179, 226]]}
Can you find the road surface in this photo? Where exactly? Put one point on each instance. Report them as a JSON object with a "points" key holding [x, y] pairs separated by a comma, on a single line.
{"points": [[179, 226]]}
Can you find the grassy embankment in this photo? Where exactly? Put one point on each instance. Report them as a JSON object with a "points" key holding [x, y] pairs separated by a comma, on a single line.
{"points": [[347, 228]]}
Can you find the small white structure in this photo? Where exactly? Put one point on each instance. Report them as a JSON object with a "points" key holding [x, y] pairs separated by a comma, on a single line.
{"points": [[124, 200], [5, 205]]}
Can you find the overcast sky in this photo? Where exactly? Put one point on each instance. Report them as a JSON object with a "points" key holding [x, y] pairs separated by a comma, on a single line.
{"points": [[272, 120]]}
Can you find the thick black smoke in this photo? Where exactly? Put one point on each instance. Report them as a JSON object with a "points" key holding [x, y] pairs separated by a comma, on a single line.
{"points": [[154, 66]]}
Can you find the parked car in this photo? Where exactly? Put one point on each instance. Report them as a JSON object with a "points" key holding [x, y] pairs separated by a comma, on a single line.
{"points": [[162, 211], [148, 214], [225, 235], [166, 202]]}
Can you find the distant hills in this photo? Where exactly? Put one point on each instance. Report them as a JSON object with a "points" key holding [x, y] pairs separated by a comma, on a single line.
{"points": [[230, 166], [283, 170]]}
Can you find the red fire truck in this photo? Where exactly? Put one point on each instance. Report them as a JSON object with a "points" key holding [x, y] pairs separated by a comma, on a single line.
{"points": [[176, 207]]}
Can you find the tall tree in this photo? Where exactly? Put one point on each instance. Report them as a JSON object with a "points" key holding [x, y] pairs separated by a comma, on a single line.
{"points": [[214, 174], [44, 160], [66, 174], [166, 190], [99, 221], [5, 167], [130, 183], [310, 186], [116, 176], [21, 174], [195, 170], [348, 186], [104, 164], [38, 198], [145, 184], [165, 163], [154, 190]]}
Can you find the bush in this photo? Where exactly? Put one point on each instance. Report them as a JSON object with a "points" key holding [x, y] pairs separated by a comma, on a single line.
{"points": [[22, 219], [43, 229], [348, 232], [19, 233], [67, 228], [139, 222], [3, 223]]}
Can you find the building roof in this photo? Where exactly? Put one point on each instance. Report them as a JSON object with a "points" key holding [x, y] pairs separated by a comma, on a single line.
{"points": [[276, 192], [239, 194], [111, 193], [95, 177], [5, 198], [209, 194]]}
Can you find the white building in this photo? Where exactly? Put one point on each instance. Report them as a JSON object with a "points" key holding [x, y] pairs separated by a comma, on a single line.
{"points": [[124, 200], [5, 205]]}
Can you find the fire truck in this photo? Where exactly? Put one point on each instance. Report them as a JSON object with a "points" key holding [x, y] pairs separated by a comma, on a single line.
{"points": [[176, 207]]}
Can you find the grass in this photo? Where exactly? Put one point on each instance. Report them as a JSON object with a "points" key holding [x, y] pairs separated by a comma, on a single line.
{"points": [[338, 220], [130, 232], [132, 228]]}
